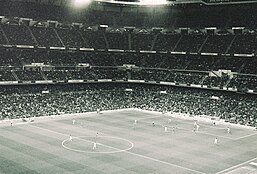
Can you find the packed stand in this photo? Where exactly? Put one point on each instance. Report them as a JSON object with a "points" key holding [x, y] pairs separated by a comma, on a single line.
{"points": [[94, 39], [244, 44], [29, 101], [46, 37], [29, 75], [71, 37], [217, 43], [191, 43], [150, 75], [117, 40], [3, 40], [166, 42], [244, 82], [137, 39], [186, 77], [215, 81], [86, 74], [18, 34], [8, 57], [6, 76], [28, 57]]}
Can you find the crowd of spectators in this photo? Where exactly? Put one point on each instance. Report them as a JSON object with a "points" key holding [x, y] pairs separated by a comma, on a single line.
{"points": [[8, 57], [166, 42], [186, 77], [150, 75], [18, 35], [137, 44], [2, 38], [6, 76], [71, 38], [185, 69], [194, 42], [191, 43], [29, 101], [117, 40], [46, 37], [217, 43], [86, 74], [244, 44], [215, 81], [178, 16], [94, 39], [244, 82]]}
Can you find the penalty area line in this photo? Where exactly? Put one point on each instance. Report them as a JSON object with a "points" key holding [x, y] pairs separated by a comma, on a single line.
{"points": [[238, 165], [246, 136]]}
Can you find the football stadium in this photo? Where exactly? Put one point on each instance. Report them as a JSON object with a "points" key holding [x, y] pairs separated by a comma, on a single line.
{"points": [[128, 87]]}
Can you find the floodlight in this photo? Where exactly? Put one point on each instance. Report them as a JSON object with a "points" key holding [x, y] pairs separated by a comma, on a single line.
{"points": [[81, 3], [153, 2]]}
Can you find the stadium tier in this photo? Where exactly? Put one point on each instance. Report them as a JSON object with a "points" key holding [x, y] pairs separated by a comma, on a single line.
{"points": [[35, 64], [128, 86], [180, 40], [29, 101], [34, 51]]}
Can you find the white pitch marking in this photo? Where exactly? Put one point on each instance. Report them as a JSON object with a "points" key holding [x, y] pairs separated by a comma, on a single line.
{"points": [[146, 157], [82, 151], [164, 162], [253, 163], [22, 123], [201, 132], [150, 117], [233, 167], [246, 136]]}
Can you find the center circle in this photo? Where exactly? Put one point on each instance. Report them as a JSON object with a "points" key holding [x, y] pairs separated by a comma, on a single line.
{"points": [[128, 143]]}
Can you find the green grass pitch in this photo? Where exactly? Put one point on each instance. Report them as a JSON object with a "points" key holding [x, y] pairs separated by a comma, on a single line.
{"points": [[43, 146]]}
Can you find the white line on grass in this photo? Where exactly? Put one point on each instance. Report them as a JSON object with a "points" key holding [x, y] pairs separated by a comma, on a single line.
{"points": [[254, 164], [151, 117], [153, 159], [201, 132], [117, 150], [233, 167], [206, 133], [164, 162], [246, 136], [132, 153]]}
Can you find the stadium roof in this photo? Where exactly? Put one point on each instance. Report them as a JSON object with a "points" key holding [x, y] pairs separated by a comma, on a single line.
{"points": [[139, 2]]}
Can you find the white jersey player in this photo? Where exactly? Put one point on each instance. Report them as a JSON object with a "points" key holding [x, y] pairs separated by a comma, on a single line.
{"points": [[216, 141], [70, 139], [94, 146], [197, 127], [73, 121], [228, 130], [195, 124], [173, 129]]}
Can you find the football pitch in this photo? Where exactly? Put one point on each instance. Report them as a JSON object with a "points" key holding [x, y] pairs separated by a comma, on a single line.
{"points": [[122, 147]]}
